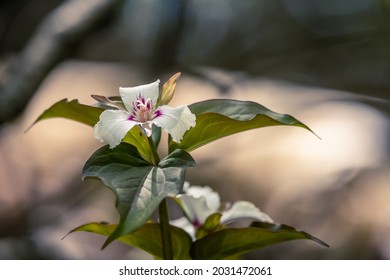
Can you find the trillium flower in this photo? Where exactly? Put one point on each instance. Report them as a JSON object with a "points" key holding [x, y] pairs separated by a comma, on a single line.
{"points": [[140, 107], [198, 203]]}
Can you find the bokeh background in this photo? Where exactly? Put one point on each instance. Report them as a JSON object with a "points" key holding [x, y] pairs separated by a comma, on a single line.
{"points": [[325, 62]]}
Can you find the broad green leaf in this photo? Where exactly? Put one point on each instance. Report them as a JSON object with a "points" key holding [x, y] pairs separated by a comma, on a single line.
{"points": [[72, 110], [232, 241], [146, 238], [138, 139], [89, 115], [139, 187], [218, 118]]}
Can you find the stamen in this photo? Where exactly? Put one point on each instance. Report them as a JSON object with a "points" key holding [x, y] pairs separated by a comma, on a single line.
{"points": [[143, 110]]}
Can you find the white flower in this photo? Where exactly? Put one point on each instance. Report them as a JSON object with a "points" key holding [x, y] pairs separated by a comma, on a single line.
{"points": [[198, 203], [141, 108]]}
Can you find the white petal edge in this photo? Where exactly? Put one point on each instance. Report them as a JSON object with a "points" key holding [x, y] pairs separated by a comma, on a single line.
{"points": [[213, 200], [196, 209], [244, 209], [112, 127], [184, 224], [175, 121], [130, 94]]}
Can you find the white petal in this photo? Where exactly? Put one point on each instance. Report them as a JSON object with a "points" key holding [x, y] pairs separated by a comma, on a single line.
{"points": [[213, 201], [244, 209], [186, 186], [196, 209], [130, 94], [113, 126], [184, 224], [175, 121]]}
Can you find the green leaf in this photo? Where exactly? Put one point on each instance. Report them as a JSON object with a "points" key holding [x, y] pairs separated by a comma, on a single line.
{"points": [[138, 139], [72, 110], [146, 238], [89, 115], [156, 135], [218, 118], [139, 187], [229, 242]]}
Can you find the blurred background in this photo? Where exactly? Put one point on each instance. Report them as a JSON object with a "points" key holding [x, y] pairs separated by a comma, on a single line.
{"points": [[325, 62]]}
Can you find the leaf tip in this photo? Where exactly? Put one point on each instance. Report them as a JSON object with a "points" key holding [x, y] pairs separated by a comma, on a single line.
{"points": [[66, 235], [31, 125], [319, 241], [107, 242], [308, 128], [315, 134]]}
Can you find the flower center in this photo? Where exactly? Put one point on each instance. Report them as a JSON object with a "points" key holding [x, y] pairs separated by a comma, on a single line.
{"points": [[196, 223], [143, 110]]}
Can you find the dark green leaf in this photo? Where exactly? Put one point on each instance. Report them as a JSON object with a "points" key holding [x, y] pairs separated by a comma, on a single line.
{"points": [[177, 158], [218, 118], [229, 242], [146, 238], [139, 187]]}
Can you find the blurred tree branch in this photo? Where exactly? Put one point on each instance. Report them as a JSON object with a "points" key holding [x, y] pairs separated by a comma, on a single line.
{"points": [[54, 39]]}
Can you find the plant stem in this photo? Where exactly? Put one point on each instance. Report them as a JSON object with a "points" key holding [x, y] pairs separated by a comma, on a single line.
{"points": [[165, 230], [156, 157]]}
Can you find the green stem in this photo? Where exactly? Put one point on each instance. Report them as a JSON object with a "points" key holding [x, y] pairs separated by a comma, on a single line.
{"points": [[155, 156], [165, 230]]}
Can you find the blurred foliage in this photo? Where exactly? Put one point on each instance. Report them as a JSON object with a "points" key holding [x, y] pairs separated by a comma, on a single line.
{"points": [[335, 43], [342, 44]]}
